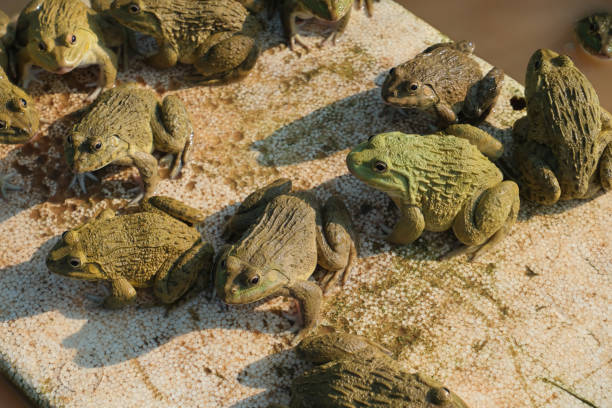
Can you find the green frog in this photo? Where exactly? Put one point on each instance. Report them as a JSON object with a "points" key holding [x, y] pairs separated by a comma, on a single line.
{"points": [[61, 35], [216, 36], [18, 120], [439, 181], [594, 34], [156, 247], [356, 372], [563, 147], [283, 235], [446, 81], [124, 126]]}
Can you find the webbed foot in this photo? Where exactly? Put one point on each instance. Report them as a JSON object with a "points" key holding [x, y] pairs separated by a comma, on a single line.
{"points": [[79, 179], [5, 186]]}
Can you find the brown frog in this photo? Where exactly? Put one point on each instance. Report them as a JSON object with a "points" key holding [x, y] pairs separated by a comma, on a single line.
{"points": [[446, 81]]}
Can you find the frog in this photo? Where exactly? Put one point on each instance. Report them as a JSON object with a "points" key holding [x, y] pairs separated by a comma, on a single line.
{"points": [[277, 238], [355, 372], [594, 34], [62, 35], [217, 37], [155, 247], [124, 126], [7, 37], [19, 121], [439, 181], [563, 146], [445, 82]]}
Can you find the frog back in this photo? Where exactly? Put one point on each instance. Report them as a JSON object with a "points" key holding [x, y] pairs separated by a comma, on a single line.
{"points": [[564, 114], [136, 246], [449, 72], [284, 237], [441, 173], [54, 17]]}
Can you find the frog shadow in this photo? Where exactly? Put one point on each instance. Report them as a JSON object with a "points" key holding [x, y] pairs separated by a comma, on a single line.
{"points": [[335, 127]]}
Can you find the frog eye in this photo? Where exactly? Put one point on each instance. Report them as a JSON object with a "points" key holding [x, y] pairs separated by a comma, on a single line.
{"points": [[97, 145], [2, 124], [75, 262], [64, 234], [223, 264], [414, 87], [73, 39], [439, 395], [537, 64], [254, 280], [69, 139], [380, 167], [392, 71], [42, 46], [23, 102], [134, 8]]}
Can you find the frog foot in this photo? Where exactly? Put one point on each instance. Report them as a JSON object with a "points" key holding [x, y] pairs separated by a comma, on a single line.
{"points": [[6, 186], [331, 36], [94, 94], [297, 40], [79, 179], [173, 162]]}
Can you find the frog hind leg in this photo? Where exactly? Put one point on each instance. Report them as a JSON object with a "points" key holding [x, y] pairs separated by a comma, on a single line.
{"points": [[122, 294], [228, 60], [487, 144], [321, 349], [338, 30], [174, 208], [146, 164], [176, 134], [487, 218], [537, 180], [482, 96], [336, 248], [309, 297], [409, 227], [190, 271], [252, 207]]}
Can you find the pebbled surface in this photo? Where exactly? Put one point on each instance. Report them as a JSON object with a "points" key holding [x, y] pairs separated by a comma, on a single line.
{"points": [[498, 332]]}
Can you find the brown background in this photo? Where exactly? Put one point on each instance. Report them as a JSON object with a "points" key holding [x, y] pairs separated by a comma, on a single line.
{"points": [[505, 33]]}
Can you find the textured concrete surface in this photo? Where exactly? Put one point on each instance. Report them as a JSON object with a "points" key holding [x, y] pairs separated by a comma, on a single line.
{"points": [[499, 332]]}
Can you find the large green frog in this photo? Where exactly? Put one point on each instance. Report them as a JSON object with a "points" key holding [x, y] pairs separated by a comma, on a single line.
{"points": [[216, 36], [563, 147], [287, 233], [124, 126], [594, 34], [155, 247], [446, 81], [357, 373], [439, 182], [61, 35], [18, 120]]}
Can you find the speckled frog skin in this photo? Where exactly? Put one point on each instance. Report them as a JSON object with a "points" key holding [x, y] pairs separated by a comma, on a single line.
{"points": [[356, 373], [563, 146], [446, 81], [594, 34], [18, 120], [124, 126], [156, 247], [61, 35], [286, 235], [216, 36], [438, 182]]}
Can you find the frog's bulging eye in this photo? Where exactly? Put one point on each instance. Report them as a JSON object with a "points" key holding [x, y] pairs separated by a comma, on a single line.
{"points": [[254, 280], [134, 8], [64, 234], [73, 39], [380, 167], [537, 64], [97, 146], [440, 396], [414, 87], [392, 71], [42, 46], [223, 264], [23, 102], [75, 262], [2, 124], [69, 139]]}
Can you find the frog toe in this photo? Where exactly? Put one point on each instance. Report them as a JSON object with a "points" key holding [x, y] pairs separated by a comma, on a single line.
{"points": [[5, 186]]}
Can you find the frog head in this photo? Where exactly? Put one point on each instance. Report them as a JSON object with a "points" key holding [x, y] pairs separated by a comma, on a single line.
{"points": [[543, 67], [439, 395], [330, 10], [375, 163], [403, 88], [594, 33], [18, 116], [57, 37], [92, 145], [67, 258], [138, 15], [238, 281]]}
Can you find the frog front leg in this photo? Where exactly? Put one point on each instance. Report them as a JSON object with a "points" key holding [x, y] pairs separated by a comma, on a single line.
{"points": [[309, 296], [290, 10], [409, 227], [147, 167], [122, 293], [538, 181], [229, 59], [339, 29], [191, 270], [174, 134], [336, 249], [482, 95], [24, 68], [166, 57], [446, 114], [487, 218], [107, 61]]}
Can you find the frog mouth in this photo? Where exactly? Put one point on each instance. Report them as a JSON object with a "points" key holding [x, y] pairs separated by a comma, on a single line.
{"points": [[64, 70], [15, 135]]}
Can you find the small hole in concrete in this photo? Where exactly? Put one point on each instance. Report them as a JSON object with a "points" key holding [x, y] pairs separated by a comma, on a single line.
{"points": [[518, 102]]}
